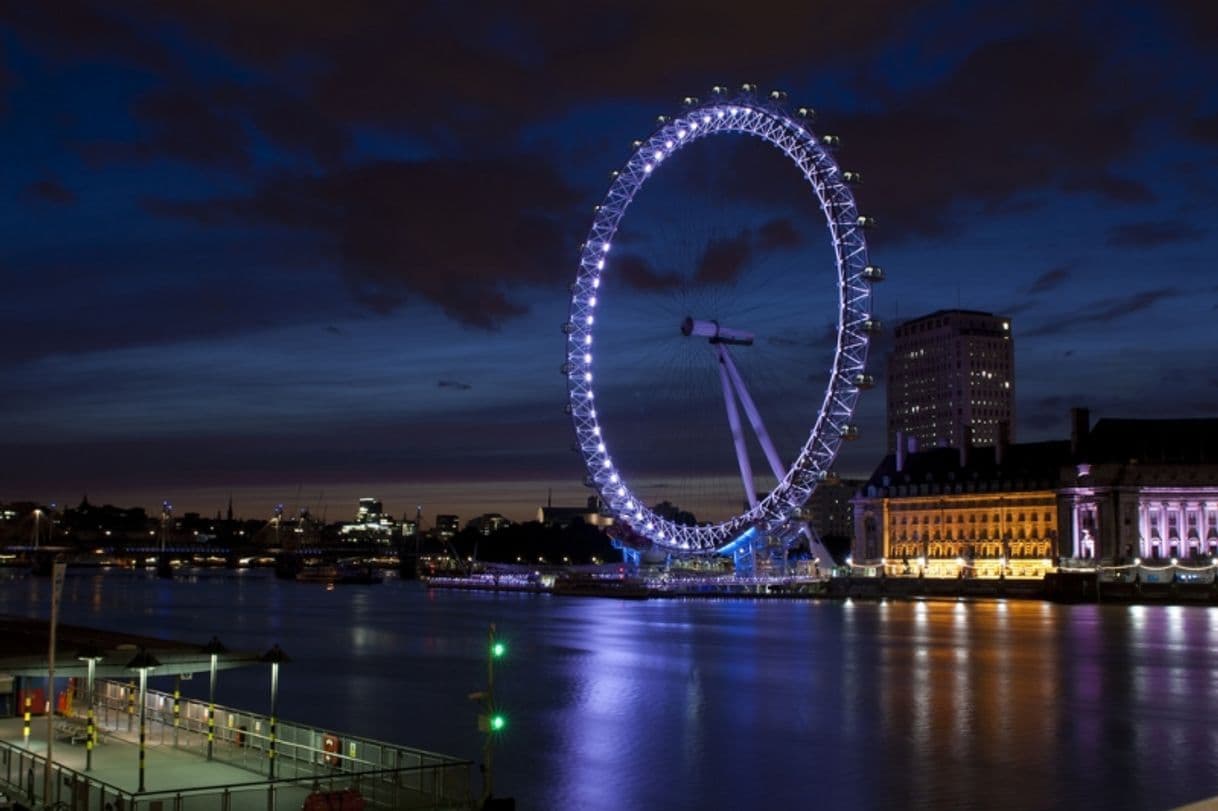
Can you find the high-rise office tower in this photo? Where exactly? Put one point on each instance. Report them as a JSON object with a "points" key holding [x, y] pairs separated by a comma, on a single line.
{"points": [[951, 380], [369, 511]]}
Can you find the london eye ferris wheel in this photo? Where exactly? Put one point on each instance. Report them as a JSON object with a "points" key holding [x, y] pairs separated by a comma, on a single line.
{"points": [[714, 342]]}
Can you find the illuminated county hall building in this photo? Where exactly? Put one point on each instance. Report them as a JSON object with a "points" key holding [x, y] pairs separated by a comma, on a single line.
{"points": [[944, 511], [1124, 489]]}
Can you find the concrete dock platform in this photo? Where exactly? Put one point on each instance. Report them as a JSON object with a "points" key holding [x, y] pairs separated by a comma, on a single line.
{"points": [[181, 778]]}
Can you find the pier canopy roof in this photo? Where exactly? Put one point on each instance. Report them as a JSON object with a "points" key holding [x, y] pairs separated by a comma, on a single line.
{"points": [[24, 645]]}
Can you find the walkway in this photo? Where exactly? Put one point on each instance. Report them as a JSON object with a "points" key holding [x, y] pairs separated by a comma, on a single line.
{"points": [[116, 763], [181, 778]]}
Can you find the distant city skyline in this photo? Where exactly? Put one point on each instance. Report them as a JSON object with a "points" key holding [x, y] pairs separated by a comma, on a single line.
{"points": [[262, 253], [518, 501]]}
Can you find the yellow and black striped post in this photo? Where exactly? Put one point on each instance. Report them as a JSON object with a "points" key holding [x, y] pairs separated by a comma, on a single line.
{"points": [[91, 655], [141, 788], [271, 750], [91, 740], [143, 662], [130, 704], [25, 732], [177, 707], [213, 648], [275, 656]]}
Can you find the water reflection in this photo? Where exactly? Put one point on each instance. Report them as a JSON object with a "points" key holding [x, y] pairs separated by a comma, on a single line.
{"points": [[725, 704]]}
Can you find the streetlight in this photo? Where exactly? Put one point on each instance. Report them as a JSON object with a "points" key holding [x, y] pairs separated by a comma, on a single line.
{"points": [[166, 515], [37, 526], [143, 662], [214, 648], [92, 655], [275, 656]]}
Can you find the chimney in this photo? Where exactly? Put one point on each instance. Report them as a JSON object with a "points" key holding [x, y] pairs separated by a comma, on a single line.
{"points": [[900, 451], [1004, 441], [1080, 427], [966, 444]]}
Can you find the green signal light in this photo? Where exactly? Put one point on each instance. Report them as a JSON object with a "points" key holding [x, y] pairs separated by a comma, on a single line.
{"points": [[498, 722], [498, 649]]}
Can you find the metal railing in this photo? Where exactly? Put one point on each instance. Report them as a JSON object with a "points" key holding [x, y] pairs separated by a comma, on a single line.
{"points": [[307, 760]]}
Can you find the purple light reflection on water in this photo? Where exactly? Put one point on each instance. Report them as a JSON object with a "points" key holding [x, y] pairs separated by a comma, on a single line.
{"points": [[724, 704]]}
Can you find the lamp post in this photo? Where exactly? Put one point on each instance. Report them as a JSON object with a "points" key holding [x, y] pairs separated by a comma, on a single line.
{"points": [[275, 656], [214, 648], [491, 720], [58, 569], [37, 527], [91, 655], [143, 662]]}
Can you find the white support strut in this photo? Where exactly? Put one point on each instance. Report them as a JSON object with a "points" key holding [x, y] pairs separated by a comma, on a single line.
{"points": [[750, 409], [733, 420]]}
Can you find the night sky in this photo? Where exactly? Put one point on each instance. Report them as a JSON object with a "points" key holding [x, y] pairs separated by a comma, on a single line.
{"points": [[307, 252]]}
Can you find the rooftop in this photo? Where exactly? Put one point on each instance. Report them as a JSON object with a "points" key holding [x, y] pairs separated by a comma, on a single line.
{"points": [[1024, 465], [1180, 441], [24, 640]]}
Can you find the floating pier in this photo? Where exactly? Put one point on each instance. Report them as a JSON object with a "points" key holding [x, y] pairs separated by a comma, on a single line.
{"points": [[113, 752]]}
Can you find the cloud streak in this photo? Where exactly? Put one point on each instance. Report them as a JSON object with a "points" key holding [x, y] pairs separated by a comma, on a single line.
{"points": [[1049, 280], [50, 191], [1104, 311], [1152, 234]]}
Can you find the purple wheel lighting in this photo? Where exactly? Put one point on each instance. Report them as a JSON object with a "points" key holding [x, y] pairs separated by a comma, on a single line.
{"points": [[790, 134]]}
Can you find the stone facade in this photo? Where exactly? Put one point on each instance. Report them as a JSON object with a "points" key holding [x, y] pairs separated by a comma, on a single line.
{"points": [[1128, 489], [938, 512], [1143, 489]]}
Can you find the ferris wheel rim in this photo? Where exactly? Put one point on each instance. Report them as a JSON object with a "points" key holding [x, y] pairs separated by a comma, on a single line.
{"points": [[771, 123]]}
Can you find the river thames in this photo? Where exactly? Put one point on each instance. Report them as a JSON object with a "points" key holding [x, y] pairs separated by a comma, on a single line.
{"points": [[676, 704]]}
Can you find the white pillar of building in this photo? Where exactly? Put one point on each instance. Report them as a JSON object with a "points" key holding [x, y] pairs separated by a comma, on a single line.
{"points": [[1143, 529], [1076, 529]]}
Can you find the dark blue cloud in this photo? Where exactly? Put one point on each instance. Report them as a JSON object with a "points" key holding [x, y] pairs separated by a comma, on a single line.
{"points": [[236, 229], [1048, 280], [50, 191], [1152, 234]]}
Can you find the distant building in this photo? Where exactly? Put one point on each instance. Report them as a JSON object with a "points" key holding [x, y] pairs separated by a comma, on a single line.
{"points": [[591, 514], [369, 511], [1141, 489], [371, 523], [668, 510], [995, 510], [829, 509], [1122, 490], [488, 523], [447, 526], [951, 380]]}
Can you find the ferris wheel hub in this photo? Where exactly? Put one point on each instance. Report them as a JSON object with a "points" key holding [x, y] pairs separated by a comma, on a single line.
{"points": [[716, 333]]}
